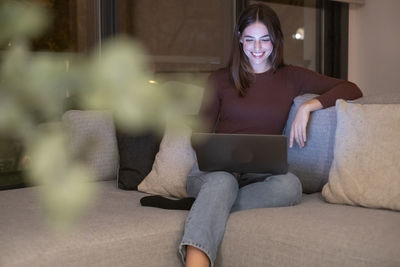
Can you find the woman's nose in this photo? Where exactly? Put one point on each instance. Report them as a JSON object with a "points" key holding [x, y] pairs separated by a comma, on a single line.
{"points": [[257, 45]]}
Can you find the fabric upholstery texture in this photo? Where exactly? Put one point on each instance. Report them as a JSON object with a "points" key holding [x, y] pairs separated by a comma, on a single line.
{"points": [[380, 98], [366, 166], [117, 231], [172, 164], [312, 162], [136, 157], [92, 135], [312, 233]]}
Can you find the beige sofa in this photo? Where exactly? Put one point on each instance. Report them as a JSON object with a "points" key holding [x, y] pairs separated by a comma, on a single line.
{"points": [[118, 231]]}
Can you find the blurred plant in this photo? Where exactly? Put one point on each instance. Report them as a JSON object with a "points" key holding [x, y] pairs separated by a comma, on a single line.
{"points": [[33, 88]]}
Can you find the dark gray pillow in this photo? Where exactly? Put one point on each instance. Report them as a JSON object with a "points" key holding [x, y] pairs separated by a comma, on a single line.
{"points": [[312, 162], [136, 157]]}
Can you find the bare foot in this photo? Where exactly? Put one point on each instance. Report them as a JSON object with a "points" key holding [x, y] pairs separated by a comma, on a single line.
{"points": [[196, 258]]}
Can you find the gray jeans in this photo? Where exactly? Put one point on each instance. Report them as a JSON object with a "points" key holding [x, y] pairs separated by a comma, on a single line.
{"points": [[218, 194]]}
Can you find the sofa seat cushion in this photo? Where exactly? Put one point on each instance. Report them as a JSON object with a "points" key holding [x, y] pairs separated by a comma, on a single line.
{"points": [[117, 231], [313, 233]]}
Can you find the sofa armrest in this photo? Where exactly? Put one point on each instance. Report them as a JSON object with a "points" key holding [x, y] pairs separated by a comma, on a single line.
{"points": [[312, 163]]}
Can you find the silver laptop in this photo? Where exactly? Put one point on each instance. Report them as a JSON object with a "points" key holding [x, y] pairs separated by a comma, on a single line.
{"points": [[241, 153]]}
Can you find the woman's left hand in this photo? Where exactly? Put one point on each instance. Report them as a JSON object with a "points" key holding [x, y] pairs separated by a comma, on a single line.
{"points": [[299, 124]]}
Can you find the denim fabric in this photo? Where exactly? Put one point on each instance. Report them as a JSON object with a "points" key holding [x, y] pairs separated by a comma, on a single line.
{"points": [[272, 191], [218, 194]]}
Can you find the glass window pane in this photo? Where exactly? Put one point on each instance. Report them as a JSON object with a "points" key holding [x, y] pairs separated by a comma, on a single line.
{"points": [[74, 28], [180, 35]]}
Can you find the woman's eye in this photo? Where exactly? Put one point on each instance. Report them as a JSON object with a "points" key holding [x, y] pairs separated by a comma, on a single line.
{"points": [[248, 40], [266, 40]]}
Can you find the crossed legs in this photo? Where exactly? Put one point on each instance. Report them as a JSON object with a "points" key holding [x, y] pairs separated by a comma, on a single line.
{"points": [[217, 195]]}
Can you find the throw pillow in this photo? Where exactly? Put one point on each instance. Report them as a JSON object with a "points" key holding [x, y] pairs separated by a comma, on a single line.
{"points": [[312, 162], [136, 157], [172, 164], [366, 170], [94, 132]]}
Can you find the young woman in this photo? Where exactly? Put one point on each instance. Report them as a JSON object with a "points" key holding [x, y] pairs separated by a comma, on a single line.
{"points": [[253, 96]]}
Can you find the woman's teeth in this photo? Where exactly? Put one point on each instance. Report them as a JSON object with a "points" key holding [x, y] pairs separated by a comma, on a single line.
{"points": [[257, 54]]}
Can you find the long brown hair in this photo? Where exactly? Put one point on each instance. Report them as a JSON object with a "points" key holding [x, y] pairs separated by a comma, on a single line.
{"points": [[240, 68]]}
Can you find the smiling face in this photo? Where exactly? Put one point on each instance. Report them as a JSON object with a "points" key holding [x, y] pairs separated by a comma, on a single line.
{"points": [[257, 46]]}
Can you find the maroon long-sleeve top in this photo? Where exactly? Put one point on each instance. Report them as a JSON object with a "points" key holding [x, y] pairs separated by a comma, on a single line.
{"points": [[266, 106]]}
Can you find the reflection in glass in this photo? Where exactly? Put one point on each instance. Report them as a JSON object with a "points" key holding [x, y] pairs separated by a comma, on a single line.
{"points": [[74, 26]]}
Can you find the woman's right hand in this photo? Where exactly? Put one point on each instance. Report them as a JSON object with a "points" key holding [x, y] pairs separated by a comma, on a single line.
{"points": [[299, 125]]}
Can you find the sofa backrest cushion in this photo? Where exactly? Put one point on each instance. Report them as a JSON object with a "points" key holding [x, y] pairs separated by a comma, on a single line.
{"points": [[92, 136], [379, 98], [366, 170], [312, 162]]}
